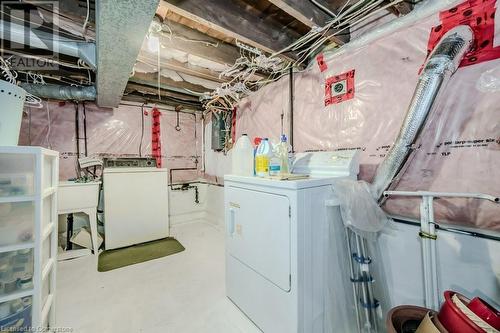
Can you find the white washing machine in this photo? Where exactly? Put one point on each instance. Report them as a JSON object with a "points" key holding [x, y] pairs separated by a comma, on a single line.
{"points": [[135, 206], [278, 256]]}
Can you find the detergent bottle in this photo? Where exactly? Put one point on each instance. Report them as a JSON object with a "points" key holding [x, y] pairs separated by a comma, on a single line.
{"points": [[262, 158], [283, 150], [275, 161], [256, 143], [242, 158]]}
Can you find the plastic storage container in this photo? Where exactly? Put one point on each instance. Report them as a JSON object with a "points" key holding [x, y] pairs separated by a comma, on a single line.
{"points": [[242, 158], [16, 175], [16, 271], [17, 222], [15, 315]]}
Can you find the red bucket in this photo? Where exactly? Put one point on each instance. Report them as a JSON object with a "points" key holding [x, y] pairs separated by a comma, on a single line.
{"points": [[485, 311], [453, 318]]}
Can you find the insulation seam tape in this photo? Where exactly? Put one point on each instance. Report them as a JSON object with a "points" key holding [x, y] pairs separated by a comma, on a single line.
{"points": [[156, 136], [479, 15]]}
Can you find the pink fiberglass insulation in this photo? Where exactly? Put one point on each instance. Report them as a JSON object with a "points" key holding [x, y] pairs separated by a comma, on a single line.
{"points": [[114, 132], [459, 146]]}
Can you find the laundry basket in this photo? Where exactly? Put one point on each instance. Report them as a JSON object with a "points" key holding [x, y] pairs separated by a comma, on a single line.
{"points": [[12, 102]]}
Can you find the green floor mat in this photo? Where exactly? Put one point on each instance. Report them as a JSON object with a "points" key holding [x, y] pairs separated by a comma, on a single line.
{"points": [[113, 259]]}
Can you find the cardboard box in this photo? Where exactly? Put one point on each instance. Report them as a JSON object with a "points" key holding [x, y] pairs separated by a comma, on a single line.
{"points": [[83, 239]]}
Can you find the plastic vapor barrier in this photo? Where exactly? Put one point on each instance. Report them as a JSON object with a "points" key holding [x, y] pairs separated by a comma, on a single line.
{"points": [[114, 133], [458, 149]]}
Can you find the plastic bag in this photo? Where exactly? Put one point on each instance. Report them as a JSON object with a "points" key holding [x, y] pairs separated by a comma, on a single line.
{"points": [[359, 210]]}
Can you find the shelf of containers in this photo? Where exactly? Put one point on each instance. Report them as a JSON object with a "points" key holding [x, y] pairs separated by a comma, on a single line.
{"points": [[28, 237]]}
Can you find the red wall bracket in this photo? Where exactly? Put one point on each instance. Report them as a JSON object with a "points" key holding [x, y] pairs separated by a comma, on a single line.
{"points": [[321, 62]]}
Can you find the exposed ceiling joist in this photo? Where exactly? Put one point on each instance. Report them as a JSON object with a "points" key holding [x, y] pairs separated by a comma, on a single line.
{"points": [[184, 68], [142, 97], [121, 27], [237, 20], [308, 14], [196, 43], [403, 8], [164, 92], [151, 79], [167, 96]]}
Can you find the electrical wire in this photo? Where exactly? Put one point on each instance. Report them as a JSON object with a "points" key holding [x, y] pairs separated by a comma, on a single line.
{"points": [[171, 36], [142, 129], [253, 60], [57, 32], [159, 69], [48, 125], [84, 28]]}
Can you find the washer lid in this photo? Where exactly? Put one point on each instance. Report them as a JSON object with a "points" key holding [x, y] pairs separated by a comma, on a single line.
{"points": [[343, 163]]}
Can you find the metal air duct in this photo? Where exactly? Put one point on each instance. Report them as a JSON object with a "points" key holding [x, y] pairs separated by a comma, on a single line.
{"points": [[17, 33], [440, 66], [59, 92]]}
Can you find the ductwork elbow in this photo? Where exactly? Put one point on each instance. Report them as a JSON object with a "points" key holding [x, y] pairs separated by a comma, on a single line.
{"points": [[440, 66], [59, 92]]}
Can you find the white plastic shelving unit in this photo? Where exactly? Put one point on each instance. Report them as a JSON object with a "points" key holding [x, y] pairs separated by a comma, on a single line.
{"points": [[28, 236]]}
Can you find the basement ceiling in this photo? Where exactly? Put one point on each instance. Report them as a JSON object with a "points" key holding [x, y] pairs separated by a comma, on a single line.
{"points": [[179, 57]]}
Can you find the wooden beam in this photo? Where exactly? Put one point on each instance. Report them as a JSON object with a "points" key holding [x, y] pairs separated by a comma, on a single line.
{"points": [[199, 44], [237, 20], [181, 67], [189, 69], [163, 92], [151, 79], [308, 14], [403, 8], [142, 97]]}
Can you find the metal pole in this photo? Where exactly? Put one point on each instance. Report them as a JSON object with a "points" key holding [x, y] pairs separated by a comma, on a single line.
{"points": [[364, 291], [353, 277], [369, 287]]}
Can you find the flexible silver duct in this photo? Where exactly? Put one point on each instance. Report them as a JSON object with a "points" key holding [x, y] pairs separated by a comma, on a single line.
{"points": [[17, 33], [59, 92], [441, 65]]}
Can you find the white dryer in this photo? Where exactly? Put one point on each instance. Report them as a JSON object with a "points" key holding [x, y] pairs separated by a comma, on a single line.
{"points": [[277, 251]]}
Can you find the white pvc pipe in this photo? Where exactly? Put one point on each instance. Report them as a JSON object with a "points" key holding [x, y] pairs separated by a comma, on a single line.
{"points": [[427, 276], [433, 254], [424, 11], [428, 227], [442, 195]]}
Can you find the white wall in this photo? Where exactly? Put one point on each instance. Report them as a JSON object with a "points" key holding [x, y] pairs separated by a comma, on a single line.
{"points": [[215, 205], [183, 208], [470, 265]]}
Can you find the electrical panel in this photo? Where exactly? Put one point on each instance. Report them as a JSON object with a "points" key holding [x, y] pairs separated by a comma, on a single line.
{"points": [[218, 132]]}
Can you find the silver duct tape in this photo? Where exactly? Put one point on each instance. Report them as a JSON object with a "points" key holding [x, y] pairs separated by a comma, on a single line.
{"points": [[438, 69]]}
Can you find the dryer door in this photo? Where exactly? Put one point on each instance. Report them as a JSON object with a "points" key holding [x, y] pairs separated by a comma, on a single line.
{"points": [[258, 233]]}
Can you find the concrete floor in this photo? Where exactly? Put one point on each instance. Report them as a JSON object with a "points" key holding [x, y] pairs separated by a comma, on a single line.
{"points": [[181, 293]]}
